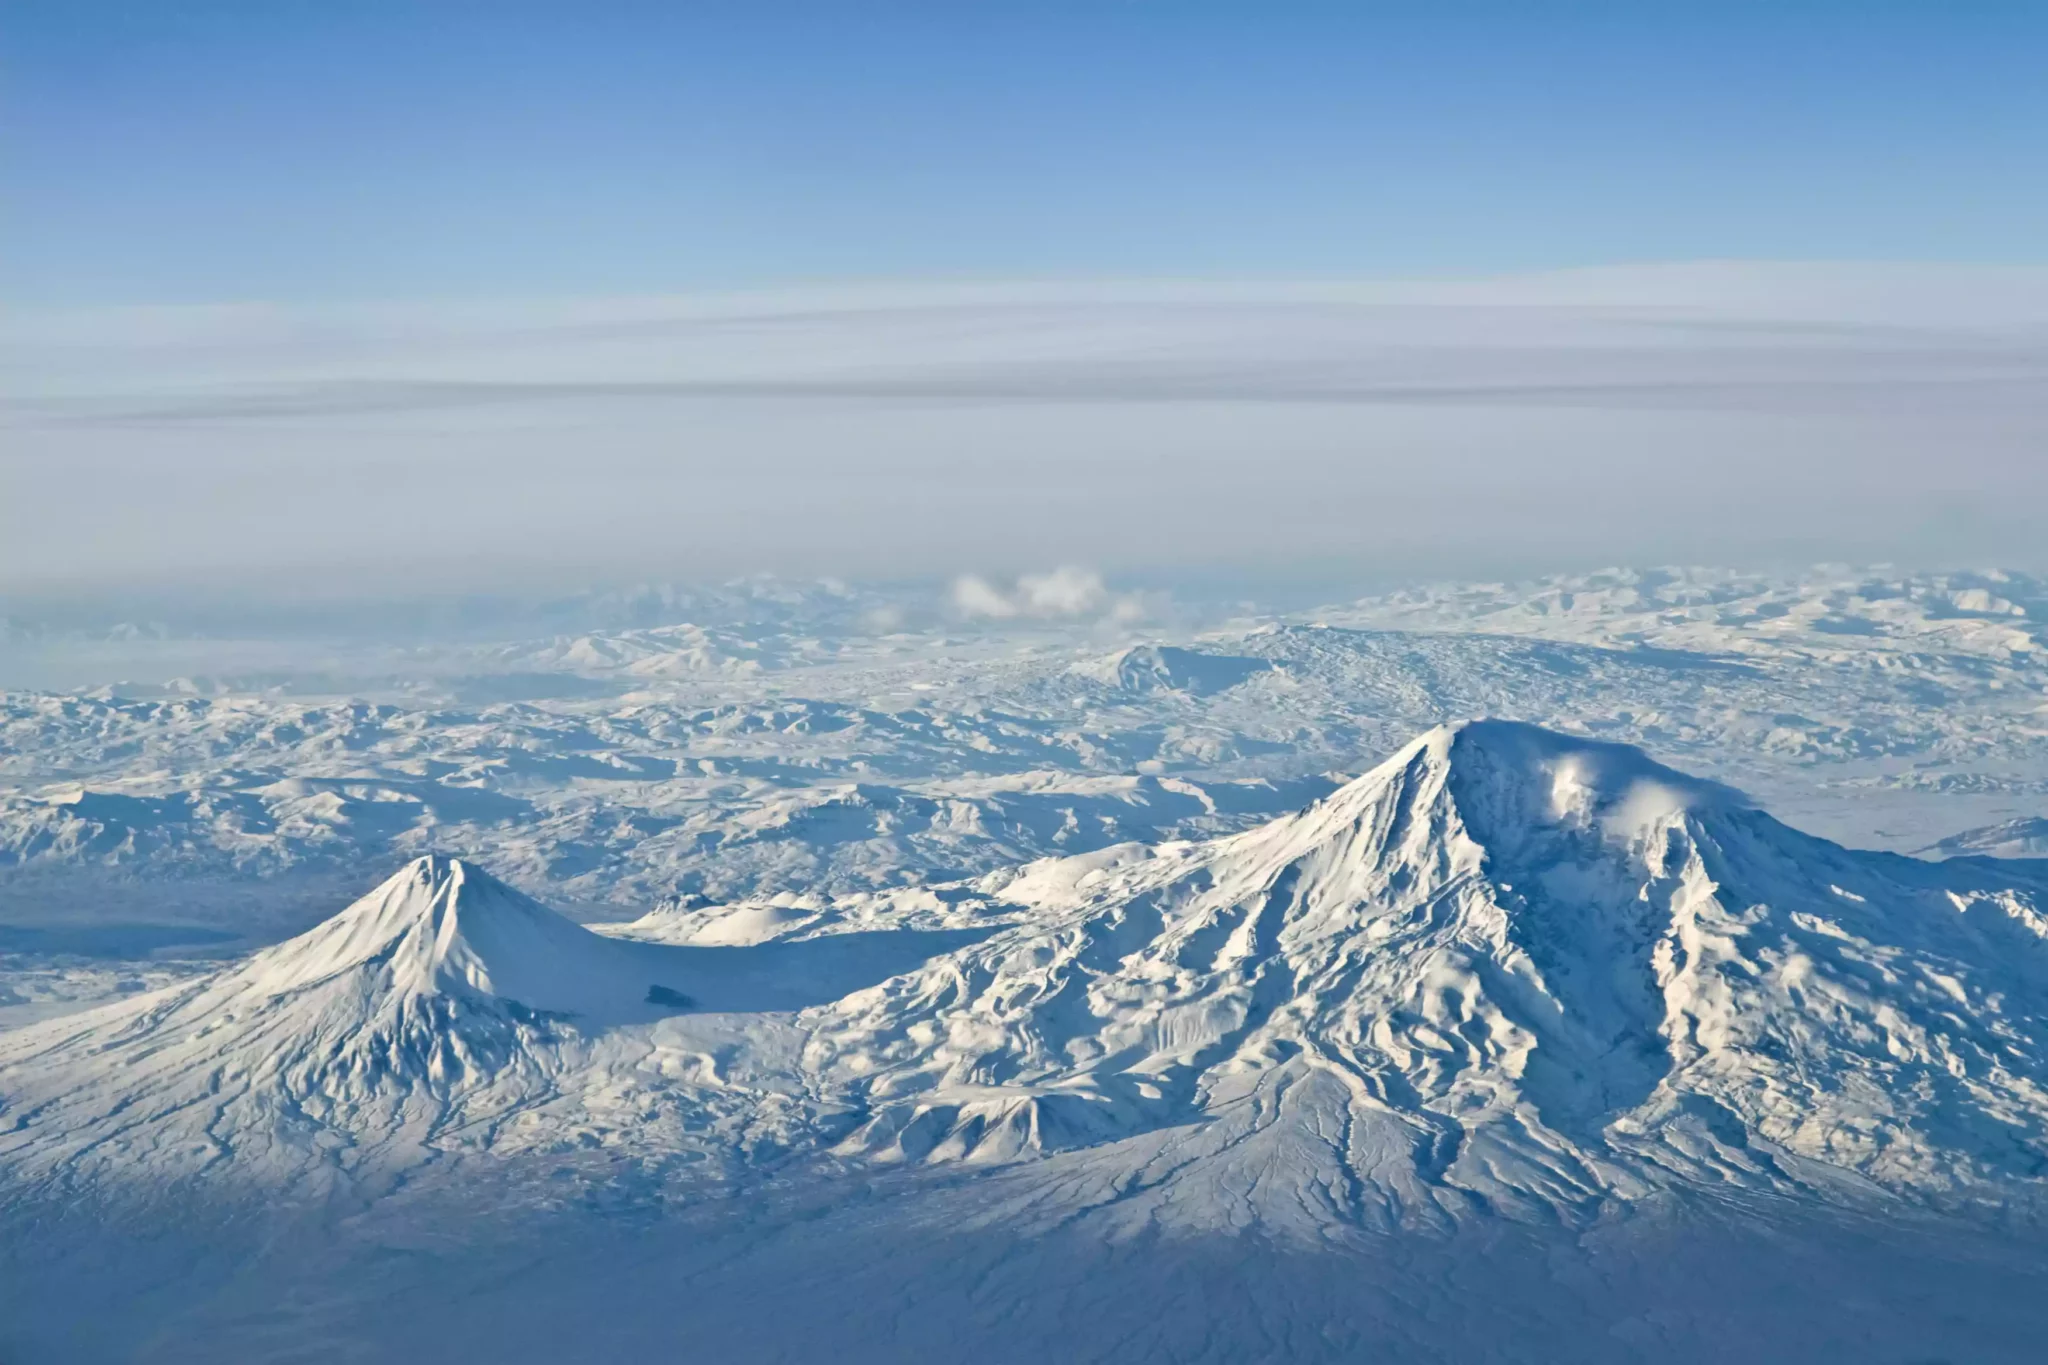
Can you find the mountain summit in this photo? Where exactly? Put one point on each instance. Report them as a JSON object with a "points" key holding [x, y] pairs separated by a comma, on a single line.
{"points": [[1507, 962], [441, 927]]}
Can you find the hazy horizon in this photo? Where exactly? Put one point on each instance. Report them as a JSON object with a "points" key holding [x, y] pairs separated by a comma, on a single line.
{"points": [[1728, 413]]}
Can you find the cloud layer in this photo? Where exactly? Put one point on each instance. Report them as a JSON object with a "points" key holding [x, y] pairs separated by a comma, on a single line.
{"points": [[1715, 411]]}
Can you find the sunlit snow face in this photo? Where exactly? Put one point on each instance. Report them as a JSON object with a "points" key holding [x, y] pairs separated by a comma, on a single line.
{"points": [[1585, 792], [1646, 805], [1573, 797]]}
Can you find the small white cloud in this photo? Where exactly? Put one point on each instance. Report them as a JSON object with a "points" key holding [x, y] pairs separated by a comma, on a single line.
{"points": [[1065, 593], [979, 597]]}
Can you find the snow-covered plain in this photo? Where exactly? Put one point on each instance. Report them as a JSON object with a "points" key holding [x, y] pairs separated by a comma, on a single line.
{"points": [[1041, 972]]}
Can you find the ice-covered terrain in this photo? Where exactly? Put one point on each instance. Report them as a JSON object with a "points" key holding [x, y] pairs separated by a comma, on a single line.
{"points": [[1109, 987]]}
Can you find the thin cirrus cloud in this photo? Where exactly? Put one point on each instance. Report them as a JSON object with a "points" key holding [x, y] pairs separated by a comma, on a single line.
{"points": [[1705, 411], [1737, 336]]}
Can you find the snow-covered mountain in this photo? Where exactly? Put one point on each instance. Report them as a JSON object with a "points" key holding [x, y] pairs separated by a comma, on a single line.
{"points": [[441, 998], [1520, 1037], [442, 1012], [1506, 966]]}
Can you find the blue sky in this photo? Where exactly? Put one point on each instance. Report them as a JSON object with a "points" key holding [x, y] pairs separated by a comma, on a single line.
{"points": [[989, 288], [309, 152]]}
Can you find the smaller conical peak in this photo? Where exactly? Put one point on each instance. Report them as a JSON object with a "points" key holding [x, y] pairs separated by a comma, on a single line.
{"points": [[434, 867], [428, 877], [443, 926], [434, 880], [438, 884], [413, 921]]}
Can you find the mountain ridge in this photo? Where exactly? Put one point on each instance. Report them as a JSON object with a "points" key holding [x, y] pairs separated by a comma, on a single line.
{"points": [[1507, 968]]}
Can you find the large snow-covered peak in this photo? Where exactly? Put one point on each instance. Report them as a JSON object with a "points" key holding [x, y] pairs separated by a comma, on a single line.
{"points": [[1523, 960], [1488, 801], [1509, 776], [1506, 782]]}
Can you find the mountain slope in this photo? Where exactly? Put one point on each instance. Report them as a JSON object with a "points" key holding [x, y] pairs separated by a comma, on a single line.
{"points": [[1508, 965], [441, 998]]}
